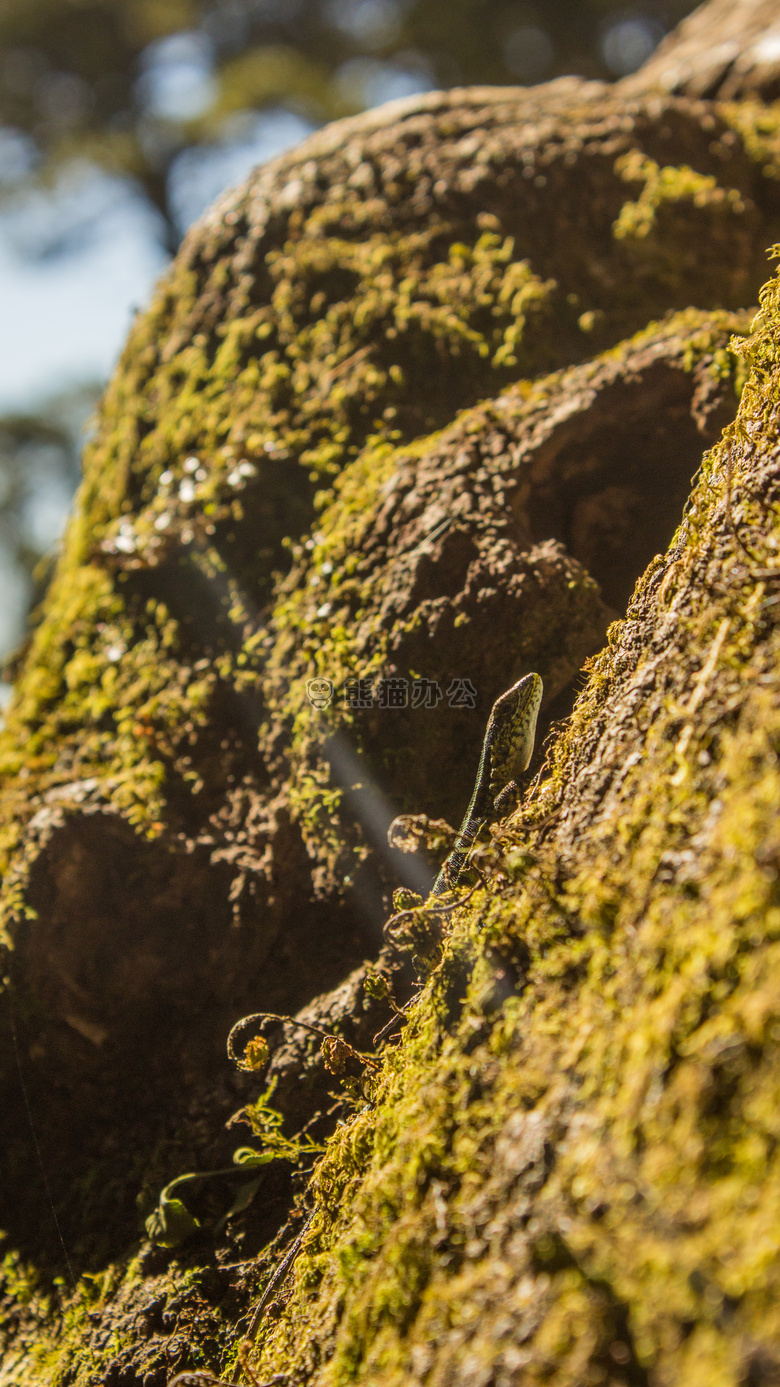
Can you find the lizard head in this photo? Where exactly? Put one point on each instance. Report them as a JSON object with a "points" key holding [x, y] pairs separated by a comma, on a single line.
{"points": [[511, 729]]}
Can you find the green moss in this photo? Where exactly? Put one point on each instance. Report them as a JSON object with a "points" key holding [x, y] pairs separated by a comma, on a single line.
{"points": [[642, 1052], [263, 354], [112, 694], [49, 1335], [330, 639], [322, 355], [758, 128], [184, 432], [663, 234], [668, 188]]}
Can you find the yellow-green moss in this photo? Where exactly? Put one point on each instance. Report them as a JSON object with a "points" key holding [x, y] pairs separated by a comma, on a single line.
{"points": [[758, 128], [292, 349], [315, 638], [643, 1045], [310, 354]]}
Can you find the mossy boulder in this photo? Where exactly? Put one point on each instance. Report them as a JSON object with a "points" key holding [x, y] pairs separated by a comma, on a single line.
{"points": [[416, 407], [570, 1171]]}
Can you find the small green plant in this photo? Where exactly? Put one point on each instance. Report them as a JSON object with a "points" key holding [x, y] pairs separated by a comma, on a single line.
{"points": [[266, 1123], [171, 1223]]}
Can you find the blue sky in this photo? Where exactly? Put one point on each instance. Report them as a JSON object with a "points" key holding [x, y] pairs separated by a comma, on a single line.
{"points": [[77, 263], [65, 316]]}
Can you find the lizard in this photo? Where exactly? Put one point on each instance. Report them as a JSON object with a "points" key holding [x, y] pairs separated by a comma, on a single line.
{"points": [[506, 753]]}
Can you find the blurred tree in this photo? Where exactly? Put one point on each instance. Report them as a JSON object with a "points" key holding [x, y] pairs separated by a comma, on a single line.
{"points": [[133, 85]]}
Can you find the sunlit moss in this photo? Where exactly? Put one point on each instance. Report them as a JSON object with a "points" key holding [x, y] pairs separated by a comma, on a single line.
{"points": [[586, 1175], [642, 1022]]}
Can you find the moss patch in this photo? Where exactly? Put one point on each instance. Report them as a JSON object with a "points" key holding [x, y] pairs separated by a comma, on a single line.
{"points": [[322, 332], [578, 1181]]}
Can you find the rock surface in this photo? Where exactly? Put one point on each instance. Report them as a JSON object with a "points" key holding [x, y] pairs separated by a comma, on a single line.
{"points": [[416, 406]]}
